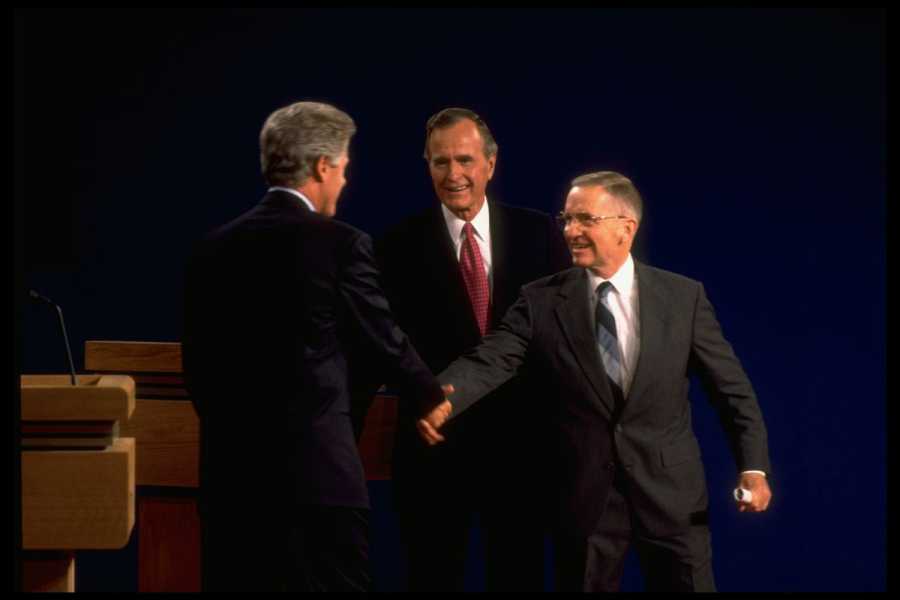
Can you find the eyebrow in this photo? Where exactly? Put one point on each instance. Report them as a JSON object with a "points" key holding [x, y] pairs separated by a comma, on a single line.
{"points": [[458, 157]]}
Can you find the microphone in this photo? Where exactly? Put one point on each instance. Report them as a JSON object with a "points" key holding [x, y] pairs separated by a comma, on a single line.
{"points": [[62, 325]]}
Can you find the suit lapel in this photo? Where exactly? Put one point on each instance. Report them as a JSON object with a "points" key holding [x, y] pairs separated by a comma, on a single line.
{"points": [[652, 307], [500, 292], [573, 314]]}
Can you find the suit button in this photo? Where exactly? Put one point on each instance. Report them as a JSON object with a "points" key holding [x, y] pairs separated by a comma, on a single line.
{"points": [[618, 428], [610, 466]]}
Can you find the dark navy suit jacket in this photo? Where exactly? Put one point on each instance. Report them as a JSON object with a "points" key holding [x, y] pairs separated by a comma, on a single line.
{"points": [[282, 308]]}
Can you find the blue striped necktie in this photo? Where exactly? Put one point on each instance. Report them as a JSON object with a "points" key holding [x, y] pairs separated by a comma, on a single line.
{"points": [[607, 340]]}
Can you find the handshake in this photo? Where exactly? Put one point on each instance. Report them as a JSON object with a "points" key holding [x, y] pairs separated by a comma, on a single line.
{"points": [[428, 425]]}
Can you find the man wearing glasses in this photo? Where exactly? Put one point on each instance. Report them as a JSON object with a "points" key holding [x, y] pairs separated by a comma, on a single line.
{"points": [[614, 342]]}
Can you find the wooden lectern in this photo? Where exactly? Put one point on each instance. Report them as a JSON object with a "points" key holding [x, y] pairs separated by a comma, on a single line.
{"points": [[78, 475]]}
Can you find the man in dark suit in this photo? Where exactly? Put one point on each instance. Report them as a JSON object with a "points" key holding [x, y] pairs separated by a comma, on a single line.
{"points": [[614, 342], [279, 303], [450, 272]]}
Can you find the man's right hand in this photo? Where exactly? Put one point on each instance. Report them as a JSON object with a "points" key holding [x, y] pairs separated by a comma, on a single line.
{"points": [[429, 425]]}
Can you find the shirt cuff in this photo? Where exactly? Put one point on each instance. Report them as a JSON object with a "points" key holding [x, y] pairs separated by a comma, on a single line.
{"points": [[763, 473]]}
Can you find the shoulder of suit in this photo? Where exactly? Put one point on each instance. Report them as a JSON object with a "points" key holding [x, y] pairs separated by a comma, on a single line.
{"points": [[552, 282], [350, 238], [665, 278], [224, 230], [318, 229], [343, 228], [519, 212]]}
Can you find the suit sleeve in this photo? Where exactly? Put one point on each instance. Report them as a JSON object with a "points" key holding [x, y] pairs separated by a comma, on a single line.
{"points": [[368, 307], [494, 361], [729, 389]]}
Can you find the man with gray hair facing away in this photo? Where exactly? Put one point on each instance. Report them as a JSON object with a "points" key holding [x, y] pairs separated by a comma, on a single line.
{"points": [[278, 304], [614, 342]]}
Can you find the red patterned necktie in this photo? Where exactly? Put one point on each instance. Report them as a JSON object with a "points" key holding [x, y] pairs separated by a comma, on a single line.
{"points": [[475, 278]]}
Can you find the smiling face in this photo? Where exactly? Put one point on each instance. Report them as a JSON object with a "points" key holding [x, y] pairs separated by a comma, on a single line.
{"points": [[459, 169], [602, 246]]}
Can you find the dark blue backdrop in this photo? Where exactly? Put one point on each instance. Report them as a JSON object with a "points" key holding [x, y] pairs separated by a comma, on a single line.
{"points": [[757, 137]]}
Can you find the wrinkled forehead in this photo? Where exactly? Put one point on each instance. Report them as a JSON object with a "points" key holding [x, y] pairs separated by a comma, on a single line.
{"points": [[461, 137]]}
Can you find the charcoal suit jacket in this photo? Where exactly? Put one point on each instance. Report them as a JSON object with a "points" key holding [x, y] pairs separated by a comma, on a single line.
{"points": [[649, 439]]}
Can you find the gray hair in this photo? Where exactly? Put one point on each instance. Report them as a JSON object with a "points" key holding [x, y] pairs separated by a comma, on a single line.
{"points": [[452, 116], [616, 185], [295, 136]]}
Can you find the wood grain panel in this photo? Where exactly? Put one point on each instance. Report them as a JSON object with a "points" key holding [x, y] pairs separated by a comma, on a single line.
{"points": [[169, 545], [376, 444], [168, 436], [95, 398], [126, 357], [78, 498]]}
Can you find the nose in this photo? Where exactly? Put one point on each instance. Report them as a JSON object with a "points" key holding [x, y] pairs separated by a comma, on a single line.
{"points": [[573, 232], [454, 169], [570, 227]]}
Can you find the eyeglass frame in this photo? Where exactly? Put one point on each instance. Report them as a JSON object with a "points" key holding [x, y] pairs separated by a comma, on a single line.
{"points": [[586, 219]]}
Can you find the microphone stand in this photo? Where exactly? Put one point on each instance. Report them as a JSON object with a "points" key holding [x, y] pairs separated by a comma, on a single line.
{"points": [[62, 326]]}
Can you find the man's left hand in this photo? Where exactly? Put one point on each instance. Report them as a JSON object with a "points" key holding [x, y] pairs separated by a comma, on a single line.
{"points": [[759, 487]]}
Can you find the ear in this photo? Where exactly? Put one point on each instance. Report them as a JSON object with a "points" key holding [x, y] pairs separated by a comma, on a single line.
{"points": [[492, 162], [320, 168], [626, 233]]}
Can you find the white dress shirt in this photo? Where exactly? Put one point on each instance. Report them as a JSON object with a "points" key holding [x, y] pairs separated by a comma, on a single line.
{"points": [[296, 193], [624, 305], [482, 225]]}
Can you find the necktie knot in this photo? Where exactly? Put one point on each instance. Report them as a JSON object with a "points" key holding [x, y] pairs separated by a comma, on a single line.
{"points": [[604, 289]]}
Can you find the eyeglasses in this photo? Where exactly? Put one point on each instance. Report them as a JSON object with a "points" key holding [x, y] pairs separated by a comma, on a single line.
{"points": [[584, 219]]}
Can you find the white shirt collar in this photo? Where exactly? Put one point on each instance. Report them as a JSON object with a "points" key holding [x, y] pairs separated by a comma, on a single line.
{"points": [[481, 223], [278, 188], [622, 280]]}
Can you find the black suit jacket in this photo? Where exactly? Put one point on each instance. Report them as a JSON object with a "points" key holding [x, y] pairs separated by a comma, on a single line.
{"points": [[425, 287], [651, 439], [282, 306]]}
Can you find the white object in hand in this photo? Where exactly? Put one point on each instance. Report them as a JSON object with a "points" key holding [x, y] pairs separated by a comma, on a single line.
{"points": [[743, 495]]}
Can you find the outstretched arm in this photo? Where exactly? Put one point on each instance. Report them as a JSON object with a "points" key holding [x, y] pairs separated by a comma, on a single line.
{"points": [[483, 369], [368, 307]]}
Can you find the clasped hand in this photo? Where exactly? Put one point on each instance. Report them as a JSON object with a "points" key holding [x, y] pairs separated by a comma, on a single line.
{"points": [[428, 426]]}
